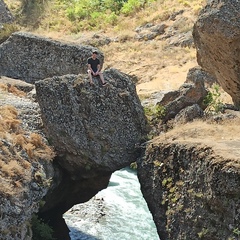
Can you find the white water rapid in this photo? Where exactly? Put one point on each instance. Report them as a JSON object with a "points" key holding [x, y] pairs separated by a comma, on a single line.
{"points": [[118, 212]]}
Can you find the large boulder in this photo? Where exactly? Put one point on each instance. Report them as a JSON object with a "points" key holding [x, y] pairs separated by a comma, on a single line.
{"points": [[93, 128], [217, 39], [30, 57]]}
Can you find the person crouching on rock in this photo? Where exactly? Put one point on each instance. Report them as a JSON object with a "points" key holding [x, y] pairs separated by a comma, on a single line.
{"points": [[94, 68]]}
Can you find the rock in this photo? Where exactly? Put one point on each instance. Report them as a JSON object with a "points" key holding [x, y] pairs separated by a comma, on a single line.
{"points": [[19, 84], [33, 57], [187, 95], [94, 131], [182, 40], [189, 114], [21, 194], [192, 189], [96, 40], [149, 31], [217, 39], [197, 74], [93, 128], [5, 14]]}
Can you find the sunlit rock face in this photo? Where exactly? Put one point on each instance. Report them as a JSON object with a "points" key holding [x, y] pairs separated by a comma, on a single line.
{"points": [[93, 128], [217, 39]]}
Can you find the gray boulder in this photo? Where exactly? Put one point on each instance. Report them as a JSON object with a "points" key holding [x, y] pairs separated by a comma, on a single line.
{"points": [[188, 114], [217, 39], [92, 128], [190, 93], [30, 58], [197, 74]]}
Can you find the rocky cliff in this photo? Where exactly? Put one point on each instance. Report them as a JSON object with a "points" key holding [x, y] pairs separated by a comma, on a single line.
{"points": [[190, 176], [217, 35], [192, 187], [94, 131]]}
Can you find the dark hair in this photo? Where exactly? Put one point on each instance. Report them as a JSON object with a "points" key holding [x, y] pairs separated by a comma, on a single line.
{"points": [[95, 52]]}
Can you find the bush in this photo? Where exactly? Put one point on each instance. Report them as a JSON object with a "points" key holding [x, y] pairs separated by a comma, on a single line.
{"points": [[132, 6], [97, 13], [155, 112], [213, 101]]}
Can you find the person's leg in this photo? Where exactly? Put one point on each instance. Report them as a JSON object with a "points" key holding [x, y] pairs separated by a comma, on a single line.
{"points": [[101, 77], [90, 76]]}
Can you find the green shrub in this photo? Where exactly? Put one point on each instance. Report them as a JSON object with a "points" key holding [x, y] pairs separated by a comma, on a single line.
{"points": [[111, 18], [132, 6], [213, 101], [113, 5], [97, 13], [155, 112], [133, 165], [41, 230]]}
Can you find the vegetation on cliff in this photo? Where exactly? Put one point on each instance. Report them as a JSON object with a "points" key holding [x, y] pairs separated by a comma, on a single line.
{"points": [[18, 149]]}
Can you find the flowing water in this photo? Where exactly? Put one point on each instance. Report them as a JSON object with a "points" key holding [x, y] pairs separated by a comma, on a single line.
{"points": [[118, 212]]}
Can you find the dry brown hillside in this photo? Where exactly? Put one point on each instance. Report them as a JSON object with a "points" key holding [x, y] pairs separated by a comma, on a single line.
{"points": [[158, 64]]}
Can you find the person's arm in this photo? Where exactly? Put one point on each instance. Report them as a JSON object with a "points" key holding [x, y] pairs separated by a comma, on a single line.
{"points": [[90, 68]]}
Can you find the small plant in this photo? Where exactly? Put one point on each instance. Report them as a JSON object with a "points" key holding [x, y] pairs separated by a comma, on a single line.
{"points": [[155, 111], [41, 230], [133, 165], [236, 231], [213, 101], [203, 233], [161, 111]]}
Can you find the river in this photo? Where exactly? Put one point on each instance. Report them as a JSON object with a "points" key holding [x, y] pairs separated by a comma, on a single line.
{"points": [[118, 212]]}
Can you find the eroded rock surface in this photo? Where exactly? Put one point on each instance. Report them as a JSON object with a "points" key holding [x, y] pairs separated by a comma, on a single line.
{"points": [[93, 128], [193, 191], [190, 93], [30, 57], [217, 39], [22, 191]]}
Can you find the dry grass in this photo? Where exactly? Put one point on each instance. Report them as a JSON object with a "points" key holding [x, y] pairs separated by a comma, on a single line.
{"points": [[15, 145], [204, 131], [223, 138], [12, 89]]}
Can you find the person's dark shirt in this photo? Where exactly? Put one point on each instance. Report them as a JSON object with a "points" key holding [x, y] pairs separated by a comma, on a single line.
{"points": [[94, 63]]}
